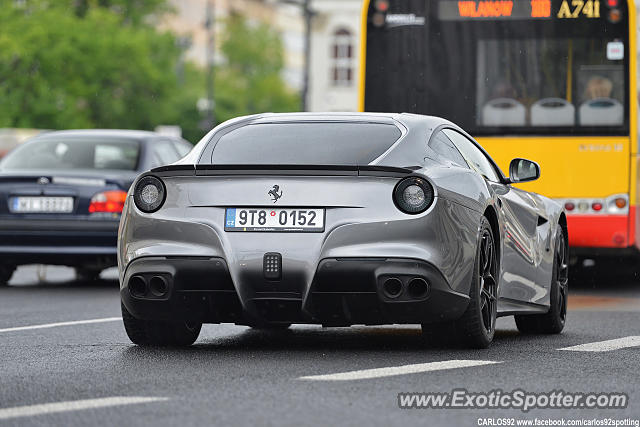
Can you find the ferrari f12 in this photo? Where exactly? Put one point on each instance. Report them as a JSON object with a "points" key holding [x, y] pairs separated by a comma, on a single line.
{"points": [[340, 219]]}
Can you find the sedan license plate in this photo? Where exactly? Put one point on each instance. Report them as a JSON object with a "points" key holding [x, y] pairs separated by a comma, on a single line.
{"points": [[44, 204], [265, 219]]}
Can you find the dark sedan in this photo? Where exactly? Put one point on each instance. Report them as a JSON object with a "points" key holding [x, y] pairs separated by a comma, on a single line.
{"points": [[62, 193]]}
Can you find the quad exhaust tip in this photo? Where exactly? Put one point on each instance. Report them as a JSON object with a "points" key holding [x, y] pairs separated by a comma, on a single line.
{"points": [[140, 287], [137, 286], [418, 288], [158, 286], [392, 287]]}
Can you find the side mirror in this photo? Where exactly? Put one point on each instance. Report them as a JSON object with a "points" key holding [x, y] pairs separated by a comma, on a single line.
{"points": [[523, 170]]}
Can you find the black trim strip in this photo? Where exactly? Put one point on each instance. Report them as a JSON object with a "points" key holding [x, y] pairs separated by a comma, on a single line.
{"points": [[174, 170], [307, 170], [312, 170]]}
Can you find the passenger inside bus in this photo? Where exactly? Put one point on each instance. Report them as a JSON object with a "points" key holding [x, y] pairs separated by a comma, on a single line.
{"points": [[599, 107], [541, 82]]}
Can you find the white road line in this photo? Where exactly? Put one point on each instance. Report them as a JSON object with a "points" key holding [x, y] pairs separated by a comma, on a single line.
{"points": [[609, 345], [398, 370], [55, 325], [74, 405]]}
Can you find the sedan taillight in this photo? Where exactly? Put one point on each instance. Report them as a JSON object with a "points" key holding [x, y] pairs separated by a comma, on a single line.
{"points": [[108, 201]]}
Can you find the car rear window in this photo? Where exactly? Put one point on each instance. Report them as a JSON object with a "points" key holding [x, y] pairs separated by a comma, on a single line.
{"points": [[75, 153], [326, 143]]}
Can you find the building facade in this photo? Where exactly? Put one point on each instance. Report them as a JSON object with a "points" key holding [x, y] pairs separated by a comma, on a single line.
{"points": [[335, 55], [190, 17], [335, 42]]}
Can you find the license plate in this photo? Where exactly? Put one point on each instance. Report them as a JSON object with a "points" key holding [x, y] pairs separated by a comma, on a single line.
{"points": [[265, 219], [25, 204]]}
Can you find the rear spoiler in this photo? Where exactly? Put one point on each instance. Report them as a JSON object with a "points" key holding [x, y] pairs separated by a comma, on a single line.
{"points": [[297, 170]]}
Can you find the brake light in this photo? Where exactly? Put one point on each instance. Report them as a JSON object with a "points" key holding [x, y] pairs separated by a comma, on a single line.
{"points": [[383, 5], [108, 201], [617, 204]]}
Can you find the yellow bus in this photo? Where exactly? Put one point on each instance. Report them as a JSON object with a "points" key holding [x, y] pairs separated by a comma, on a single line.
{"points": [[553, 81]]}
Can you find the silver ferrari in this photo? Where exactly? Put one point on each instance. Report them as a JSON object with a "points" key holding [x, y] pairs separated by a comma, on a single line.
{"points": [[338, 220]]}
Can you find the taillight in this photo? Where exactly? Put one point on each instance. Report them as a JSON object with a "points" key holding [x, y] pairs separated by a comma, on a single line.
{"points": [[413, 195], [108, 201], [149, 194], [617, 204]]}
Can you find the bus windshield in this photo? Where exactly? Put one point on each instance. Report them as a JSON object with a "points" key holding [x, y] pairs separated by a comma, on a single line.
{"points": [[502, 67]]}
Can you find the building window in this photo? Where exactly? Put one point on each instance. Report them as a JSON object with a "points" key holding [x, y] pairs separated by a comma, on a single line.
{"points": [[342, 58]]}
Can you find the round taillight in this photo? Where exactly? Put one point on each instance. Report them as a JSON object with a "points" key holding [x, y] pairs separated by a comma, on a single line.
{"points": [[569, 206], [149, 194], [620, 202], [597, 206], [413, 195]]}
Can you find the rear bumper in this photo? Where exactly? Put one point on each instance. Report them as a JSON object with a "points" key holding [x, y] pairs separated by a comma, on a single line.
{"points": [[59, 241], [343, 292], [598, 231]]}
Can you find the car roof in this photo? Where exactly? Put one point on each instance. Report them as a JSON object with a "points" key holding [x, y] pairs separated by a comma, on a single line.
{"points": [[111, 133], [405, 118], [422, 124]]}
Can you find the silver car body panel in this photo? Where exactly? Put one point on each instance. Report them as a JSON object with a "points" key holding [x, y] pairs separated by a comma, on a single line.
{"points": [[362, 220]]}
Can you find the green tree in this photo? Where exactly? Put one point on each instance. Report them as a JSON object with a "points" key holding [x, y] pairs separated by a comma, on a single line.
{"points": [[250, 79], [58, 70], [101, 64], [134, 12]]}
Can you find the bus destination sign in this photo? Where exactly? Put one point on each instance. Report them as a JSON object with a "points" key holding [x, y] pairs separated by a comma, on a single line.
{"points": [[466, 10]]}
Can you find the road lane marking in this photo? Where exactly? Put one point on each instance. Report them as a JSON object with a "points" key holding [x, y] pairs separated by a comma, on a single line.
{"points": [[55, 325], [398, 370], [609, 345], [74, 405]]}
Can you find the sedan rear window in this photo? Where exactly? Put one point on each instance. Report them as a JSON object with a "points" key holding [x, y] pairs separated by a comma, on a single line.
{"points": [[74, 153], [326, 143]]}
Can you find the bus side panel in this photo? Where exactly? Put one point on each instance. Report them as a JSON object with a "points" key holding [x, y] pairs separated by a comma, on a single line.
{"points": [[574, 168]]}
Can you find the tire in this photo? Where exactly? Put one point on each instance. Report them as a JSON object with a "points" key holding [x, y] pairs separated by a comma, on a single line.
{"points": [[553, 321], [159, 333], [476, 327], [6, 271]]}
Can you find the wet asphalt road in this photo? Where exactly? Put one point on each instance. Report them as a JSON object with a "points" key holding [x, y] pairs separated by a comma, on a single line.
{"points": [[237, 376]]}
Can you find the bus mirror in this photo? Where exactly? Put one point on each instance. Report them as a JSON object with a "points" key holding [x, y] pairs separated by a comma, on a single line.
{"points": [[523, 170]]}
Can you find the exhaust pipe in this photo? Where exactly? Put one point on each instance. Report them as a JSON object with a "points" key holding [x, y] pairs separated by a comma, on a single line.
{"points": [[392, 287], [158, 286], [138, 286], [418, 288]]}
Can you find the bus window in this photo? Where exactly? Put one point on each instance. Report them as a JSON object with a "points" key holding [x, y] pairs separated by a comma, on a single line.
{"points": [[500, 68], [601, 102], [548, 82]]}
